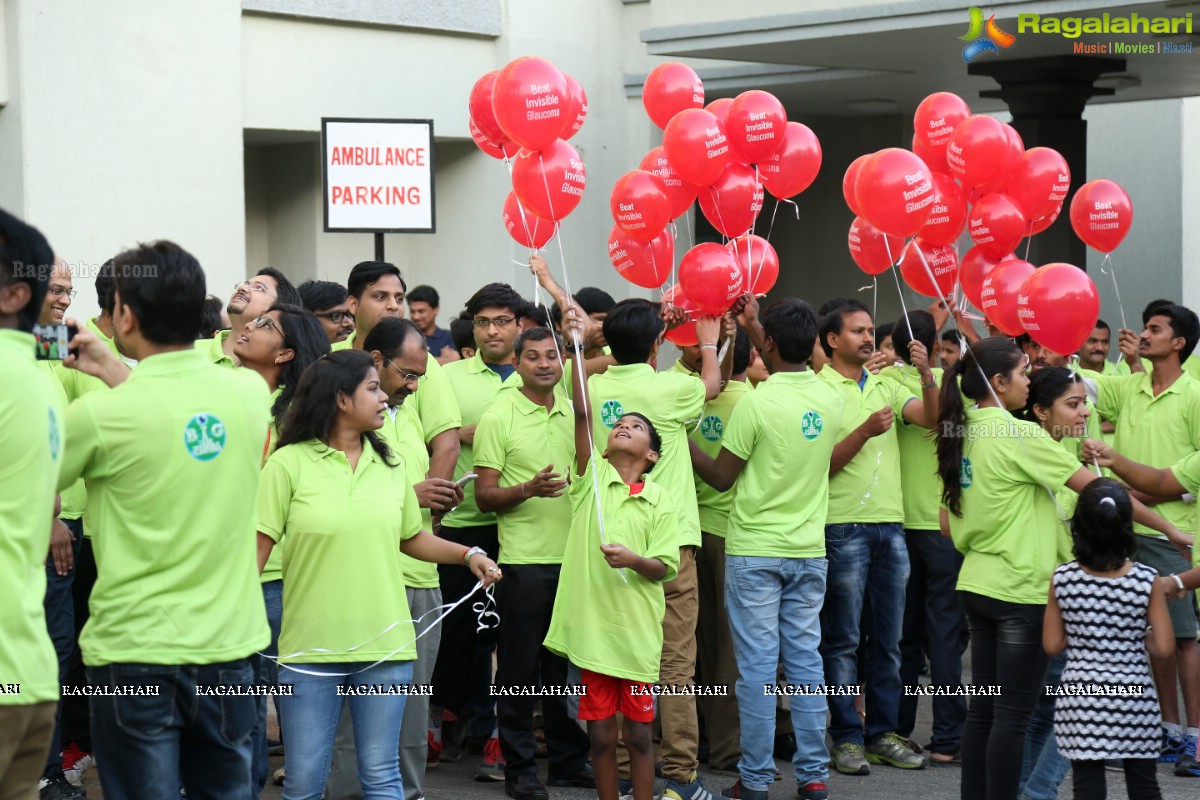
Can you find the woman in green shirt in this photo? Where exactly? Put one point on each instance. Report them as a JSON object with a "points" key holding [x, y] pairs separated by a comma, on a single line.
{"points": [[340, 501]]}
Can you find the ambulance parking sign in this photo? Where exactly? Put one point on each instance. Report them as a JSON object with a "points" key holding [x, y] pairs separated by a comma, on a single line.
{"points": [[378, 175]]}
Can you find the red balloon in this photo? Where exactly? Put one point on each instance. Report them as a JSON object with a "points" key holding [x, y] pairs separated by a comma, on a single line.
{"points": [[480, 105], [1039, 225], [576, 108], [949, 213], [669, 89], [682, 193], [758, 261], [550, 183], [894, 190], [488, 146], [975, 266], [640, 204], [711, 278], [733, 201], [872, 249], [645, 264], [1016, 147], [1058, 306], [1101, 213], [934, 159], [755, 125], [524, 227], [935, 120], [684, 335], [942, 261], [1039, 182], [719, 108], [999, 295], [794, 166], [850, 179], [997, 225], [529, 100], [695, 144], [978, 150]]}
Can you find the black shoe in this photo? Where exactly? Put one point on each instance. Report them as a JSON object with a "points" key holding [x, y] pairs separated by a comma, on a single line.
{"points": [[57, 788], [525, 786], [785, 746], [581, 779]]}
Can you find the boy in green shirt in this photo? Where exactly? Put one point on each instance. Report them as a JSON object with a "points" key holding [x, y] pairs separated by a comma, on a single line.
{"points": [[609, 607]]}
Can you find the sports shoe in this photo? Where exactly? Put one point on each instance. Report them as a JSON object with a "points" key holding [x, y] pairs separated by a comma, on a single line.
{"points": [[433, 751], [492, 766], [525, 786], [1172, 748], [848, 758], [814, 790], [739, 792], [1188, 766], [278, 777], [625, 790], [57, 788], [894, 750], [693, 790], [75, 763], [583, 778]]}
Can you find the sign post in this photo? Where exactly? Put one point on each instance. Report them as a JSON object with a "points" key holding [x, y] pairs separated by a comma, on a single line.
{"points": [[377, 176]]}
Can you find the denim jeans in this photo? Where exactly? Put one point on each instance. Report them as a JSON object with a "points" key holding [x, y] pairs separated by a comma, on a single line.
{"points": [[310, 721], [266, 673], [774, 607], [864, 559], [150, 745], [1043, 768], [59, 605]]}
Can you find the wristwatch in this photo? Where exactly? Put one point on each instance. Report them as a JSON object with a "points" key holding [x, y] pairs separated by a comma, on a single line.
{"points": [[474, 550]]}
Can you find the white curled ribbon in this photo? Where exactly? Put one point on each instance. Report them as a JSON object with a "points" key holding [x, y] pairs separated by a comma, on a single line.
{"points": [[487, 617]]}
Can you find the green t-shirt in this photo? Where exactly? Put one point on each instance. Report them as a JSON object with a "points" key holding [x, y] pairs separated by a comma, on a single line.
{"points": [[715, 506], [785, 432], [1187, 472], [518, 438], [172, 457], [112, 345], [919, 481], [1010, 533], [31, 438], [866, 490], [214, 349], [68, 387], [341, 531], [402, 433], [673, 403], [273, 569], [476, 386], [601, 622], [1158, 431]]}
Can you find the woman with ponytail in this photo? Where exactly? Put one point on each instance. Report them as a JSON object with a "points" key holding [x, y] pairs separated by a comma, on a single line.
{"points": [[1000, 476]]}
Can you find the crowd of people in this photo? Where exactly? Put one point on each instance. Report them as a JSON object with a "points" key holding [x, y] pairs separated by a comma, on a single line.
{"points": [[527, 537]]}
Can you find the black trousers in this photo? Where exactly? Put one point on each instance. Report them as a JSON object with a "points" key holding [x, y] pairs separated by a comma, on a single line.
{"points": [[1141, 779], [76, 710], [526, 599]]}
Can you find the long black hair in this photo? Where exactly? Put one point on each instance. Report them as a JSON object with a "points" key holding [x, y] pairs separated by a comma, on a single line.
{"points": [[982, 361], [1047, 385], [314, 408], [1102, 528], [303, 334]]}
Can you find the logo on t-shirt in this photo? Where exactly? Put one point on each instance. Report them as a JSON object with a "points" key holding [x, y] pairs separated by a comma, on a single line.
{"points": [[610, 412], [204, 437], [711, 428], [811, 425], [966, 473], [55, 437]]}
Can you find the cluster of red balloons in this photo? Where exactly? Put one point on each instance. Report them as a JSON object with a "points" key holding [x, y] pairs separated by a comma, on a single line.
{"points": [[524, 113]]}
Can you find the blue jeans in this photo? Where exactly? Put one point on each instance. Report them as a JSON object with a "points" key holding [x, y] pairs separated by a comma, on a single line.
{"points": [[310, 721], [150, 745], [774, 607], [864, 558], [1044, 769], [59, 605], [266, 673]]}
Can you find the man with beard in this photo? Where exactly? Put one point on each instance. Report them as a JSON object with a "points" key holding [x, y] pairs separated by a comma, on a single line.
{"points": [[250, 300], [330, 303]]}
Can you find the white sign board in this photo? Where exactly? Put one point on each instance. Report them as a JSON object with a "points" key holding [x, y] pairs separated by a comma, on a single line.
{"points": [[378, 175]]}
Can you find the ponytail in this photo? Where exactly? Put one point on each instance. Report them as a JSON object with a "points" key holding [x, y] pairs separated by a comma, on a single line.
{"points": [[1102, 528]]}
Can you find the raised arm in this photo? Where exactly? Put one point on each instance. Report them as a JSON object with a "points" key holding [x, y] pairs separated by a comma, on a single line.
{"points": [[708, 331]]}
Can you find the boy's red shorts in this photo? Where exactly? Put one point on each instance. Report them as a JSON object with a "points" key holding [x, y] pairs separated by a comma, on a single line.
{"points": [[606, 695]]}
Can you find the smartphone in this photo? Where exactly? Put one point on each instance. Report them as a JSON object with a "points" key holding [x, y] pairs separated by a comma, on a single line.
{"points": [[52, 341], [465, 479]]}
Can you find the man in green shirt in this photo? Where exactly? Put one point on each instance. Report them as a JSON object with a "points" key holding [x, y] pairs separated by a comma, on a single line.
{"points": [[1157, 414], [250, 300], [172, 457], [31, 444], [524, 446], [330, 303], [864, 537]]}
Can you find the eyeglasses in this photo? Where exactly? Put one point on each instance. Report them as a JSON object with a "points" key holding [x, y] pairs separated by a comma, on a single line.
{"points": [[335, 317], [255, 286], [500, 322], [407, 377], [59, 291], [267, 322]]}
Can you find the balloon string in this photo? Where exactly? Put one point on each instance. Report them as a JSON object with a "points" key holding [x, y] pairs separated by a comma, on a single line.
{"points": [[888, 248], [929, 273], [1028, 241], [1107, 268]]}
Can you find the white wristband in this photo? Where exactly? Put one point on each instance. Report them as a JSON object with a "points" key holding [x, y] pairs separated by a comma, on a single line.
{"points": [[1188, 497], [1178, 582]]}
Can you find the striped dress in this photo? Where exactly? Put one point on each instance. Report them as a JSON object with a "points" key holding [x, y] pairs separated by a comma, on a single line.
{"points": [[1108, 708]]}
